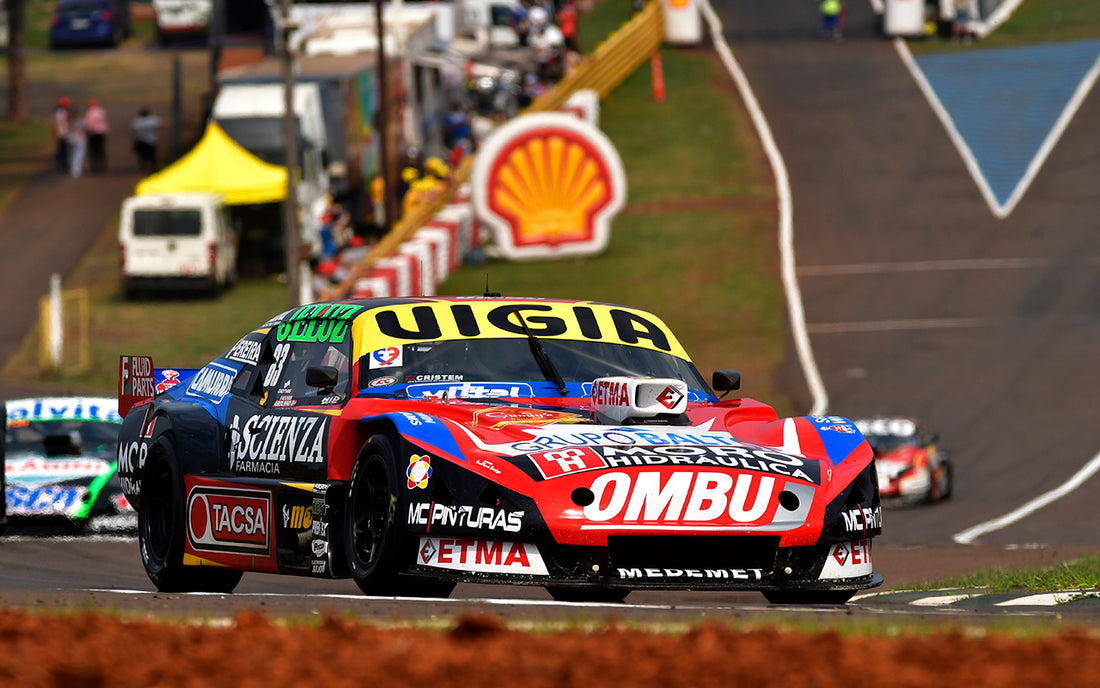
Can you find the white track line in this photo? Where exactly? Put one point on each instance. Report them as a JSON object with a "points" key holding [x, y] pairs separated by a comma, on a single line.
{"points": [[1068, 112], [946, 265], [969, 160], [786, 225], [940, 600], [901, 325], [1047, 599], [971, 534]]}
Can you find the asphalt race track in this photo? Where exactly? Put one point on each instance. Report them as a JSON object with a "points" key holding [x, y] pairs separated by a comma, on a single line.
{"points": [[79, 574], [918, 301]]}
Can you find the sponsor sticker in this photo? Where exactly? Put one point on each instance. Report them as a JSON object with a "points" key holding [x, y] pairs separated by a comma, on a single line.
{"points": [[382, 381], [419, 471], [481, 556], [230, 520], [63, 408], [477, 518], [423, 322], [646, 499], [390, 357], [554, 464], [35, 470], [711, 574], [168, 379], [268, 444], [212, 382], [471, 390], [436, 377], [312, 331], [50, 500], [298, 517], [499, 417], [135, 380], [669, 397], [860, 520], [610, 393], [245, 351], [848, 560]]}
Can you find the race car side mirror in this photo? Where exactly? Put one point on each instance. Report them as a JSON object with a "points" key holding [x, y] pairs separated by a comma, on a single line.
{"points": [[726, 380], [324, 377]]}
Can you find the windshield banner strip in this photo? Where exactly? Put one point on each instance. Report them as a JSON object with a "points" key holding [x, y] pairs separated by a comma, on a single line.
{"points": [[422, 322]]}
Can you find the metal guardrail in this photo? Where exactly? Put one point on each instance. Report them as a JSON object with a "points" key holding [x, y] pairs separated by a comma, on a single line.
{"points": [[609, 65]]}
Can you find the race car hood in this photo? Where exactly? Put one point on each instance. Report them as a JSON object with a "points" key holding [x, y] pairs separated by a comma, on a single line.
{"points": [[723, 469]]}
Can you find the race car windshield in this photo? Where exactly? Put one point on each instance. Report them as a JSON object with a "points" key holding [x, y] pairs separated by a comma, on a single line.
{"points": [[94, 438], [511, 359]]}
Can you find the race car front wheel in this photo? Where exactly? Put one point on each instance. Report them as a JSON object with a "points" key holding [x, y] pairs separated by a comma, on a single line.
{"points": [[161, 530], [372, 535]]}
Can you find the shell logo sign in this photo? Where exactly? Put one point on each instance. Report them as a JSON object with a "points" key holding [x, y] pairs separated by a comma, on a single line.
{"points": [[548, 186]]}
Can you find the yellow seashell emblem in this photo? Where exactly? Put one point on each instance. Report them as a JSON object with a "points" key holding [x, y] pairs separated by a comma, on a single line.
{"points": [[549, 185]]}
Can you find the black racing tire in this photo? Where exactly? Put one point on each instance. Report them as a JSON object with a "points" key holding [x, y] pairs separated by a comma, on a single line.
{"points": [[948, 481], [161, 529], [808, 596], [372, 533], [594, 594]]}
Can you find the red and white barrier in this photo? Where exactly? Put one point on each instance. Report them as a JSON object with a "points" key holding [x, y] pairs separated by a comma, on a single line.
{"points": [[424, 253], [372, 287], [425, 260]]}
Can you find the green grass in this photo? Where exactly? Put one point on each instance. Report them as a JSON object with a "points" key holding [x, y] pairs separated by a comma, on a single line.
{"points": [[1074, 575], [605, 17]]}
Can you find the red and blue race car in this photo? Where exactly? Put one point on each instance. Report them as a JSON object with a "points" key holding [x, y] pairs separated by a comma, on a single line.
{"points": [[913, 467], [412, 444]]}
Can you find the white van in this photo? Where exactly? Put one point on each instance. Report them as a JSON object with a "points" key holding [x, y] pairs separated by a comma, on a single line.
{"points": [[182, 19], [174, 241]]}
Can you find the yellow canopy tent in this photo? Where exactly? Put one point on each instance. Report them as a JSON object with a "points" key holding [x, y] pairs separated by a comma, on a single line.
{"points": [[218, 164]]}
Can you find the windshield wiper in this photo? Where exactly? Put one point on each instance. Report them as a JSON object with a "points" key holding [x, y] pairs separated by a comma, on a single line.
{"points": [[541, 357]]}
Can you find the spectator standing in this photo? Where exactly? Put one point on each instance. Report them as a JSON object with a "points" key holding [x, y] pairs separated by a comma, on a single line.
{"points": [[438, 169], [409, 175], [567, 22], [145, 128], [78, 142], [520, 22], [95, 128], [378, 203], [62, 124], [830, 18], [538, 17], [960, 28], [456, 126]]}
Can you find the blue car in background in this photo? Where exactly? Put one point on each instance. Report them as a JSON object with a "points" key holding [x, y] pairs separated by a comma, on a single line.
{"points": [[60, 468], [89, 22]]}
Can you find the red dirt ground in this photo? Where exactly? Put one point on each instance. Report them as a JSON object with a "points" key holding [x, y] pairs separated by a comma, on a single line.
{"points": [[96, 651]]}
